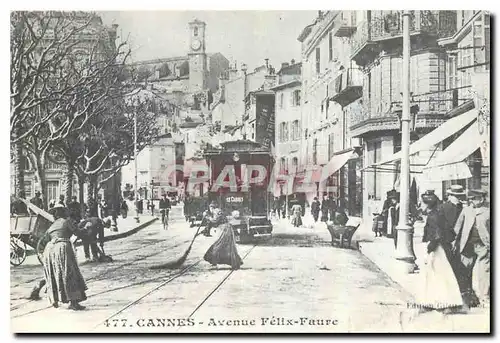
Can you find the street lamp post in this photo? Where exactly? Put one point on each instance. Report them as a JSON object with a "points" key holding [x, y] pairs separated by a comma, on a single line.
{"points": [[405, 256], [136, 190]]}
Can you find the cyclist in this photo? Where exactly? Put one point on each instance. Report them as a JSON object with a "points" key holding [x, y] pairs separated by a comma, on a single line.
{"points": [[164, 209]]}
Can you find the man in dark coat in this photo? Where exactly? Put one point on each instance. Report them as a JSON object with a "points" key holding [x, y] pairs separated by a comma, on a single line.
{"points": [[92, 229], [37, 200], [332, 207], [473, 248], [18, 207], [452, 207], [74, 209], [315, 208], [324, 209]]}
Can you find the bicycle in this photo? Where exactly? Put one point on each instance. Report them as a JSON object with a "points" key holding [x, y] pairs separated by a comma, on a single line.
{"points": [[164, 218]]}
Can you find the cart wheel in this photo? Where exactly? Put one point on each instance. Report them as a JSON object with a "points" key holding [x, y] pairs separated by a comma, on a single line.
{"points": [[40, 247], [17, 251]]}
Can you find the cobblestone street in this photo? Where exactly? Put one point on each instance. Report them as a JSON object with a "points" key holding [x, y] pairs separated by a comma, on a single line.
{"points": [[288, 287]]}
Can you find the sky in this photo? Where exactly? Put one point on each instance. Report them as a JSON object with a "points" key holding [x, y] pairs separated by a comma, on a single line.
{"points": [[242, 36]]}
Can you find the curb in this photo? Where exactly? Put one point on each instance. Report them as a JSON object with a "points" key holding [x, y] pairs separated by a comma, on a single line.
{"points": [[124, 234]]}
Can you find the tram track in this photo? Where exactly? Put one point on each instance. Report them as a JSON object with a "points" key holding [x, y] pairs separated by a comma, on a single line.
{"points": [[101, 276], [168, 280]]}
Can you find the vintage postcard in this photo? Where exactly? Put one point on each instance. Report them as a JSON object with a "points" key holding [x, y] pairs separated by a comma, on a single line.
{"points": [[250, 171]]}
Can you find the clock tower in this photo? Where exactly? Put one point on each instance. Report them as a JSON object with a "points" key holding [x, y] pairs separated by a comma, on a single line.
{"points": [[197, 56]]}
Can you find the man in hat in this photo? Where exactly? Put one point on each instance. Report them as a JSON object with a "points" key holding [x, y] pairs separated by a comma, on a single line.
{"points": [[452, 207], [473, 245], [393, 217], [37, 200]]}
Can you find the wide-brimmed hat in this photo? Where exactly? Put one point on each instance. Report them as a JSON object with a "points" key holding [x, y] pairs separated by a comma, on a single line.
{"points": [[455, 190], [474, 193], [56, 207], [393, 195]]}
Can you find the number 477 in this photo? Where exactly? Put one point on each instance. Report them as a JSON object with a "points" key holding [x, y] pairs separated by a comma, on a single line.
{"points": [[115, 322]]}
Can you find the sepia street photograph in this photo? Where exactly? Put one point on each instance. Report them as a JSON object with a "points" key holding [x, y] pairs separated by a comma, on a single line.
{"points": [[250, 171]]}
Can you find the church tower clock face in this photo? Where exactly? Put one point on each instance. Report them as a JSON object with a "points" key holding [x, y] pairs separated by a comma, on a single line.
{"points": [[196, 45]]}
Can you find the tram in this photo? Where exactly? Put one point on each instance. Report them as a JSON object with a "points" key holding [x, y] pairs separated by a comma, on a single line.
{"points": [[239, 175]]}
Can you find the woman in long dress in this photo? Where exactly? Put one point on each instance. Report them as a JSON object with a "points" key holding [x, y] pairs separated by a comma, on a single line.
{"points": [[64, 280], [224, 250], [297, 215], [440, 290]]}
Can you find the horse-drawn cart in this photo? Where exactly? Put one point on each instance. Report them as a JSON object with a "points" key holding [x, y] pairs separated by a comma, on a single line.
{"points": [[27, 231]]}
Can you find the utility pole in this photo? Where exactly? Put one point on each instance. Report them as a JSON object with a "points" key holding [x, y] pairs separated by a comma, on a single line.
{"points": [[404, 251], [136, 190]]}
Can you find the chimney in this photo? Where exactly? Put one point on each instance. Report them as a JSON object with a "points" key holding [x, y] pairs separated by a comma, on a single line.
{"points": [[293, 61], [267, 62], [320, 14], [284, 65]]}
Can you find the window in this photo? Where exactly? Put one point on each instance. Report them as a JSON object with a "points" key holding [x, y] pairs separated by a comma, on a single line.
{"points": [[295, 164], [315, 151], [330, 145], [52, 190], [283, 132], [163, 166], [373, 178], [282, 164], [27, 189], [306, 132], [282, 99], [318, 60], [481, 42], [295, 130], [162, 150], [25, 163], [296, 97], [195, 32], [330, 46], [453, 80]]}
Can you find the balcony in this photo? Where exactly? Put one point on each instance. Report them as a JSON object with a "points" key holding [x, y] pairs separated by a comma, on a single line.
{"points": [[433, 110], [347, 87], [346, 26], [367, 41]]}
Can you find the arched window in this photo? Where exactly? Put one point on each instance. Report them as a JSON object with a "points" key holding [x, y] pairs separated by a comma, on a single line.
{"points": [[295, 164], [195, 32]]}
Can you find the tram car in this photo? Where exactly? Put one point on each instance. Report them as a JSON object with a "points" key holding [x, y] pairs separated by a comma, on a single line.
{"points": [[229, 165]]}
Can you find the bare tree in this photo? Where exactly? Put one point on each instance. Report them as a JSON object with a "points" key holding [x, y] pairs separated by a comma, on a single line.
{"points": [[64, 70]]}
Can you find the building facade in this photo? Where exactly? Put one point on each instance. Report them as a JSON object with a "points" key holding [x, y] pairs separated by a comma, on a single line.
{"points": [[330, 88], [288, 116]]}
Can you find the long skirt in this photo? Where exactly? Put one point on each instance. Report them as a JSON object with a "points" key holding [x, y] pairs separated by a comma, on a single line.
{"points": [[440, 288], [224, 250], [65, 282], [296, 220]]}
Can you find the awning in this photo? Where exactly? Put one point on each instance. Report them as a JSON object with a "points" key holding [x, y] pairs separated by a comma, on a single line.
{"points": [[336, 163], [434, 137], [460, 149], [454, 171], [449, 164]]}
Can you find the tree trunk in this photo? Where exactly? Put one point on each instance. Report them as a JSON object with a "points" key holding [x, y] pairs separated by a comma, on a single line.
{"points": [[91, 196], [19, 165], [81, 185], [70, 174], [40, 171]]}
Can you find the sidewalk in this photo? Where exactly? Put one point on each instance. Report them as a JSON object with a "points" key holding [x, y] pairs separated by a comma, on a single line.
{"points": [[381, 252], [126, 227]]}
